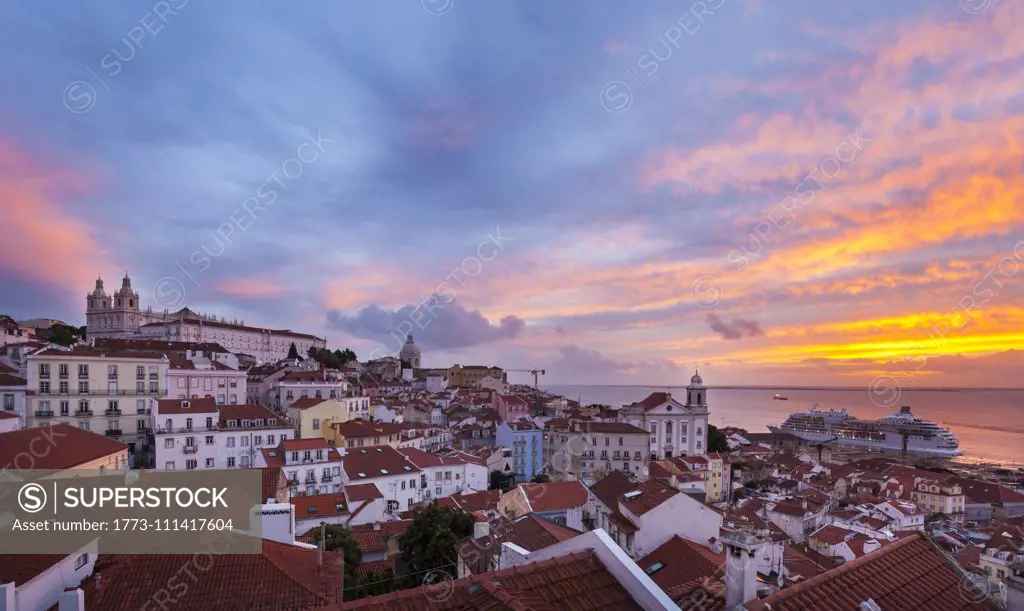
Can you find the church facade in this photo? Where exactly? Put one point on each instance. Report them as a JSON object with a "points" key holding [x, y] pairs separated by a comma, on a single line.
{"points": [[677, 429], [120, 315]]}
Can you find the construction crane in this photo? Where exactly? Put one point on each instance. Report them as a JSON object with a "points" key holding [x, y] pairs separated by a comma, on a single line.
{"points": [[535, 372]]}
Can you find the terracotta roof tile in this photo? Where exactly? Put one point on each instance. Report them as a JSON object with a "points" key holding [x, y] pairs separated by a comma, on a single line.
{"points": [[652, 494], [376, 569], [705, 594], [376, 461], [7, 379], [554, 496], [370, 541], [907, 574], [283, 575], [678, 561], [22, 568], [308, 506], [68, 446], [305, 403], [610, 488], [362, 492], [574, 582]]}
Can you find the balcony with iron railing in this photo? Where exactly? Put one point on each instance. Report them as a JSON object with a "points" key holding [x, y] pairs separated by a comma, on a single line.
{"points": [[97, 392], [83, 412], [165, 430], [44, 413], [113, 432], [189, 449], [113, 411], [112, 376], [327, 477]]}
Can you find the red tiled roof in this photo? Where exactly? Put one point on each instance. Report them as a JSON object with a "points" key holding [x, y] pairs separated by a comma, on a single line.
{"points": [[988, 492], [283, 575], [251, 412], [206, 405], [363, 492], [273, 481], [377, 568], [305, 403], [376, 461], [309, 443], [652, 494], [5, 368], [574, 582], [22, 568], [704, 594], [320, 505], [610, 488], [7, 379], [476, 501], [554, 496], [831, 534], [682, 561], [5, 415], [908, 574], [66, 447], [655, 399], [804, 564], [370, 541]]}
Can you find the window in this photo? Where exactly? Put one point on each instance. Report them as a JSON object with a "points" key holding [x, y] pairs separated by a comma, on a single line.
{"points": [[403, 484], [62, 370], [44, 388], [270, 439], [316, 424], [9, 403], [209, 440], [231, 461], [245, 442], [209, 463], [64, 408], [245, 462], [169, 465], [191, 463], [81, 561], [83, 388], [230, 442], [168, 444], [83, 371], [83, 424], [437, 491], [44, 370]]}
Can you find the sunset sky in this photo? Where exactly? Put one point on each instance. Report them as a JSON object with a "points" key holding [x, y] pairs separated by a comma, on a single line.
{"points": [[780, 193]]}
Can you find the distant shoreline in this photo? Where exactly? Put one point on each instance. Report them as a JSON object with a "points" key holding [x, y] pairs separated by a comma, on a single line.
{"points": [[820, 388]]}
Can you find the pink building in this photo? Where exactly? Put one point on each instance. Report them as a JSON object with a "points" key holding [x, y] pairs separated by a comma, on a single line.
{"points": [[510, 407]]}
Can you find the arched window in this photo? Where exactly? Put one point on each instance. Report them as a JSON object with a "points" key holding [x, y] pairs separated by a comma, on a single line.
{"points": [[698, 399], [131, 303]]}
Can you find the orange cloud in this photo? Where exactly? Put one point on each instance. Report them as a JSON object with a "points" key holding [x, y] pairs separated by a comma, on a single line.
{"points": [[44, 242], [250, 288]]}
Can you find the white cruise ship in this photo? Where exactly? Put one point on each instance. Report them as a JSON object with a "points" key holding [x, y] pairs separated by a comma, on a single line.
{"points": [[841, 428]]}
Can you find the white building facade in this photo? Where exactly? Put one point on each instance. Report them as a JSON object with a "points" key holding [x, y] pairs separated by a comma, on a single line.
{"points": [[677, 429], [120, 315], [104, 392]]}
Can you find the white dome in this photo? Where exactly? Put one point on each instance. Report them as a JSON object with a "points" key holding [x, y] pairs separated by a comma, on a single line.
{"points": [[696, 380], [409, 349]]}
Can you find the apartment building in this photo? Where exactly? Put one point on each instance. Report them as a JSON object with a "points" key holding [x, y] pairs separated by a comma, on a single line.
{"points": [[527, 443], [199, 434], [590, 450], [199, 377], [315, 384], [311, 466], [713, 470], [12, 395], [108, 392]]}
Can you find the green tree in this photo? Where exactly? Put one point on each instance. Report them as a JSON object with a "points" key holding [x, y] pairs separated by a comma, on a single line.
{"points": [[312, 352], [338, 538], [345, 356], [716, 440], [293, 352], [541, 478], [429, 543], [62, 334]]}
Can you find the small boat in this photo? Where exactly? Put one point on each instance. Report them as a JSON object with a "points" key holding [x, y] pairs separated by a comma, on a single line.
{"points": [[779, 397]]}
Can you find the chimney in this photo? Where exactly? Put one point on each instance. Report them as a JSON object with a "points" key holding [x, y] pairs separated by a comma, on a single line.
{"points": [[70, 600], [320, 548], [740, 568]]}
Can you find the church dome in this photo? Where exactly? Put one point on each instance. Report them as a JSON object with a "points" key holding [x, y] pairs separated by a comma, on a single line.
{"points": [[409, 350], [98, 291], [696, 380]]}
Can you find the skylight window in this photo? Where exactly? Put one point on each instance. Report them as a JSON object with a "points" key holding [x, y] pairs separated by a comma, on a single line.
{"points": [[311, 509], [361, 474], [384, 471], [632, 495], [654, 568]]}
